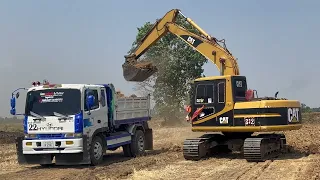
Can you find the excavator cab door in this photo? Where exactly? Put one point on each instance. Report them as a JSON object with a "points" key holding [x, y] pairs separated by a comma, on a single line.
{"points": [[211, 94]]}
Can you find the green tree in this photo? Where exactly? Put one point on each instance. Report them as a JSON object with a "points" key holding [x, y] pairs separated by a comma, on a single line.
{"points": [[178, 64], [305, 108]]}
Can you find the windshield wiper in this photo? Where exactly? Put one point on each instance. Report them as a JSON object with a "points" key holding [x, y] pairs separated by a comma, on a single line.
{"points": [[62, 116], [39, 117]]}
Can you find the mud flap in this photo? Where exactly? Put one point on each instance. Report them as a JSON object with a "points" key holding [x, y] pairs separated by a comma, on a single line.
{"points": [[31, 158], [149, 139], [77, 158]]}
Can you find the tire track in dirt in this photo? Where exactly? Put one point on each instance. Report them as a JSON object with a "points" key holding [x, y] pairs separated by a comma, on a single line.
{"points": [[168, 162], [289, 166], [115, 166], [248, 173], [256, 170], [227, 167]]}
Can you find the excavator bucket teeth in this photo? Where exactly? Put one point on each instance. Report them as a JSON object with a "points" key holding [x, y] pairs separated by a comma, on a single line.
{"points": [[137, 72]]}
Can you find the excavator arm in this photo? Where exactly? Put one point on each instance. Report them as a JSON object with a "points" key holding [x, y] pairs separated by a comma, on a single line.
{"points": [[205, 44]]}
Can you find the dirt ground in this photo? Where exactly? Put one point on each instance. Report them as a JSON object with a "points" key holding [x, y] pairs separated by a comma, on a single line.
{"points": [[166, 161]]}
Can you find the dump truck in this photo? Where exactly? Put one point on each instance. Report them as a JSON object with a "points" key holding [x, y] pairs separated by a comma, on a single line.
{"points": [[223, 106], [78, 123]]}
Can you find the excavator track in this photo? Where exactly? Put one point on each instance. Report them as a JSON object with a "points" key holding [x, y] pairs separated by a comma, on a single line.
{"points": [[255, 148], [263, 147], [195, 149]]}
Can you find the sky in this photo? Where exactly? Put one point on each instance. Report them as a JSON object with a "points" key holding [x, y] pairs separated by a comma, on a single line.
{"points": [[276, 42]]}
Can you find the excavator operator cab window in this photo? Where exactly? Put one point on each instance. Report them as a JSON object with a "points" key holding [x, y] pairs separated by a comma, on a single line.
{"points": [[239, 86], [204, 94]]}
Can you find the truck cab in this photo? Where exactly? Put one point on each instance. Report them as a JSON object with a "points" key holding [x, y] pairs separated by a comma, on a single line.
{"points": [[77, 123]]}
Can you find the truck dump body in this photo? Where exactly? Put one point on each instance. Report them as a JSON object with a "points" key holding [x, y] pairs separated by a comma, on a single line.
{"points": [[132, 109], [126, 110]]}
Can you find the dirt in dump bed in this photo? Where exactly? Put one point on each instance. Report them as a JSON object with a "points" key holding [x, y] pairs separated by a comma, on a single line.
{"points": [[8, 137]]}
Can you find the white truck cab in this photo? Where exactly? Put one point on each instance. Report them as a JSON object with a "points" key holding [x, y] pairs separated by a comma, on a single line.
{"points": [[77, 123]]}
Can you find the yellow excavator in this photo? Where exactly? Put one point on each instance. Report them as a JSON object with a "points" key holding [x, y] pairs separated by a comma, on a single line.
{"points": [[233, 117]]}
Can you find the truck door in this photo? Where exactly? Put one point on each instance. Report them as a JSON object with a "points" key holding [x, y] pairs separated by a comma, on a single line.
{"points": [[104, 108], [93, 118]]}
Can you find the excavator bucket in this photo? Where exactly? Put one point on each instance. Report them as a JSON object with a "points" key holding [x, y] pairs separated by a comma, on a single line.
{"points": [[138, 71]]}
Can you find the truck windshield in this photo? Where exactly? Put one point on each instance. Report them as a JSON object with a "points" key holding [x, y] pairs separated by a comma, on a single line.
{"points": [[46, 102]]}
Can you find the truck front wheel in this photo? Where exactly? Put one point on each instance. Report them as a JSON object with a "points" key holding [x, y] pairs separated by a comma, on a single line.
{"points": [[137, 146], [96, 151]]}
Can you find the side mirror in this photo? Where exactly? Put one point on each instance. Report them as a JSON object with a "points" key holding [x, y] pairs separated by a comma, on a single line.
{"points": [[13, 102], [15, 95], [13, 106], [90, 101]]}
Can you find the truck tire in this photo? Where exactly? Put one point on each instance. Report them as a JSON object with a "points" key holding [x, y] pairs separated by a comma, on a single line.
{"points": [[137, 145], [96, 151]]}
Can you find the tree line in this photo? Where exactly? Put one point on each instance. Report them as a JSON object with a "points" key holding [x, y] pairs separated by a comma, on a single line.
{"points": [[305, 108]]}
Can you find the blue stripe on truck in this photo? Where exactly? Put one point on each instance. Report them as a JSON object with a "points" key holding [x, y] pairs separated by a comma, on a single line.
{"points": [[118, 136], [118, 144]]}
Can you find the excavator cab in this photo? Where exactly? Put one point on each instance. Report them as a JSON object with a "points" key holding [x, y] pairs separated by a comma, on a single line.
{"points": [[137, 71]]}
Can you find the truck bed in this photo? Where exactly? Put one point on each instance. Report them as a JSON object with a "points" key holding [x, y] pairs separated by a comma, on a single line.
{"points": [[132, 110]]}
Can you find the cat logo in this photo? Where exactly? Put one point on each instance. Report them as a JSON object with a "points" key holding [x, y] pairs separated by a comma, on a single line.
{"points": [[293, 115], [224, 120]]}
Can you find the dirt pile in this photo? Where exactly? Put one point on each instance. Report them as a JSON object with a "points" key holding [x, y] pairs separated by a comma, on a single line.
{"points": [[121, 95], [306, 140]]}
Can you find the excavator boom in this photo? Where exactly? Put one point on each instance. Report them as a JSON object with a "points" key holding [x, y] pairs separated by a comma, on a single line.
{"points": [[205, 44], [137, 71]]}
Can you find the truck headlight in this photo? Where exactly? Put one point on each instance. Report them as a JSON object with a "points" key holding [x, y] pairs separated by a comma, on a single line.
{"points": [[75, 135], [30, 135]]}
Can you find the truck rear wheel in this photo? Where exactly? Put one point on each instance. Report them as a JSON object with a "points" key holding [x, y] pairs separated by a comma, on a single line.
{"points": [[137, 146], [96, 151]]}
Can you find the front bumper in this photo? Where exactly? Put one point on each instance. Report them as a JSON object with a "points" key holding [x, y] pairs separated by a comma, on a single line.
{"points": [[76, 153], [58, 146]]}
